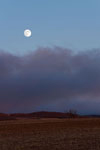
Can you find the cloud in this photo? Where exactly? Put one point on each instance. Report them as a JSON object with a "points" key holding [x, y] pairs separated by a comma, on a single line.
{"points": [[50, 78]]}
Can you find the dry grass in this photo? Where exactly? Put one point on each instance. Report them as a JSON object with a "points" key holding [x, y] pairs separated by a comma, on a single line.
{"points": [[50, 134]]}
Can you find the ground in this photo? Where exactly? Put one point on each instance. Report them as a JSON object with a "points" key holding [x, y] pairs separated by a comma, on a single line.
{"points": [[50, 134]]}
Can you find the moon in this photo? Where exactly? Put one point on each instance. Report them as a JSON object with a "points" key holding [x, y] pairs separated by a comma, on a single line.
{"points": [[27, 33]]}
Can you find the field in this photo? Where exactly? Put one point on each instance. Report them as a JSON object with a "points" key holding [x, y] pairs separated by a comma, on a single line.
{"points": [[50, 134]]}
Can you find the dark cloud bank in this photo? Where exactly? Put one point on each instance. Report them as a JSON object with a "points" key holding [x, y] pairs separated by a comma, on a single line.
{"points": [[54, 79]]}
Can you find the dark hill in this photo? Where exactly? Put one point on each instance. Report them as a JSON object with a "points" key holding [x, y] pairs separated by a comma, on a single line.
{"points": [[45, 114], [4, 116]]}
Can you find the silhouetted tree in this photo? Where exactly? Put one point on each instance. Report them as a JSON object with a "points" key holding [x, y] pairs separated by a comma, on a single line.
{"points": [[72, 111]]}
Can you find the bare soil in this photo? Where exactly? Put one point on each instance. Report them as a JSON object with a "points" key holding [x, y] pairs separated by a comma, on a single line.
{"points": [[50, 134]]}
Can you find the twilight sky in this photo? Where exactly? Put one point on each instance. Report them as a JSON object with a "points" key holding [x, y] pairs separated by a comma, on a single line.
{"points": [[73, 24], [56, 69]]}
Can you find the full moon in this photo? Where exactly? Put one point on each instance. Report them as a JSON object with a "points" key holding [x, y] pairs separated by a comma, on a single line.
{"points": [[27, 33]]}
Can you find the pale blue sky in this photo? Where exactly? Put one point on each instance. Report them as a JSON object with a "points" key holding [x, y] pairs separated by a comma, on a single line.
{"points": [[67, 23]]}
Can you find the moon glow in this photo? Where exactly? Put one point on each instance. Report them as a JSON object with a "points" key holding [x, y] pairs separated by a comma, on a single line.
{"points": [[27, 33]]}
